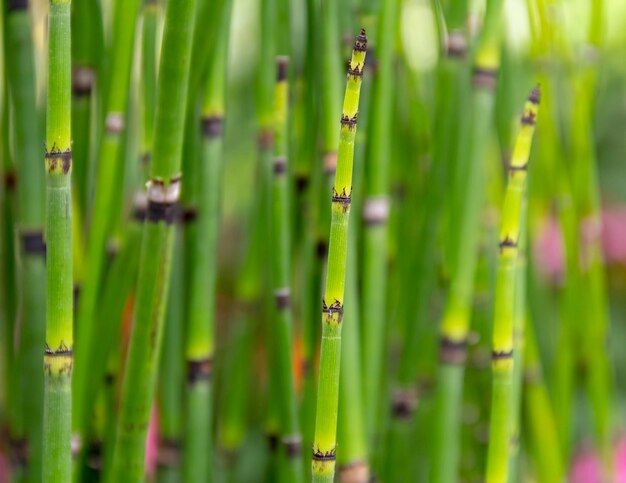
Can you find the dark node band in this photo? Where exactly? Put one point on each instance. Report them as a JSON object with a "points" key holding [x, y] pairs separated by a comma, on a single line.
{"points": [[335, 308], [10, 180], [293, 446], [82, 81], [199, 370], [189, 214], [167, 212], [306, 367], [535, 95], [321, 249], [325, 455], [360, 43], [302, 181], [266, 139], [349, 122], [501, 355], [55, 156], [15, 5], [484, 78], [212, 126], [342, 197], [280, 165], [282, 298], [168, 453], [272, 441], [282, 65], [457, 45], [452, 351], [508, 243], [523, 167], [19, 452], [529, 119], [356, 72], [61, 351], [94, 455], [109, 378], [33, 243], [403, 404], [76, 293], [146, 158], [139, 213]]}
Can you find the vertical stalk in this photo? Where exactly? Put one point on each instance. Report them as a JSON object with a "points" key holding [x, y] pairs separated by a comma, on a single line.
{"points": [[58, 355], [155, 260], [504, 309], [471, 168], [324, 445], [20, 71], [281, 333], [375, 218], [151, 16], [201, 310], [104, 214]]}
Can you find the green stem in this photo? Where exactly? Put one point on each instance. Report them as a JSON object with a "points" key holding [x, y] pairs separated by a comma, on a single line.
{"points": [[155, 260], [58, 355], [324, 444]]}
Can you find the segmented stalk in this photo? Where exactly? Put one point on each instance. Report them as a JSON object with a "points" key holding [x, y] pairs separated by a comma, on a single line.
{"points": [[202, 312], [104, 214], [281, 330], [58, 355], [20, 70], [375, 217], [504, 310], [471, 169], [324, 444], [155, 261]]}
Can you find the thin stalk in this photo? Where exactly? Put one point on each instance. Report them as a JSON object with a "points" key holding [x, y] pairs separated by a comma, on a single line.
{"points": [[465, 222], [104, 213], [324, 445], [375, 218], [151, 16], [504, 309], [539, 421], [171, 376], [156, 253], [87, 50], [281, 333], [58, 355], [201, 308], [30, 216]]}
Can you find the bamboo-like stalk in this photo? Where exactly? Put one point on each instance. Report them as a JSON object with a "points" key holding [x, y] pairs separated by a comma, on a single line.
{"points": [[104, 214], [151, 15], [200, 340], [58, 355], [504, 310], [375, 217], [87, 49], [20, 70], [155, 261], [171, 376], [281, 331], [324, 445], [539, 422], [456, 317]]}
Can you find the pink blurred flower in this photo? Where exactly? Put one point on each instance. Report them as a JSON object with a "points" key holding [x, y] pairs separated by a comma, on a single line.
{"points": [[586, 467]]}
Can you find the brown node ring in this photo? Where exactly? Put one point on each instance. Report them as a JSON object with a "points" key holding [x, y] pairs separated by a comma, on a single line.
{"points": [[33, 243], [282, 298], [508, 243], [484, 77], [529, 119], [335, 308], [280, 165], [55, 155], [349, 122], [17, 5], [501, 355], [325, 455], [199, 370], [168, 452], [293, 446], [360, 43], [452, 351], [212, 126]]}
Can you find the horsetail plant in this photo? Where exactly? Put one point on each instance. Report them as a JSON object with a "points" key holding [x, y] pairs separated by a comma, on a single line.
{"points": [[375, 216], [58, 355], [456, 317], [104, 212], [163, 190], [281, 332], [324, 444], [20, 68], [201, 310], [504, 310]]}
